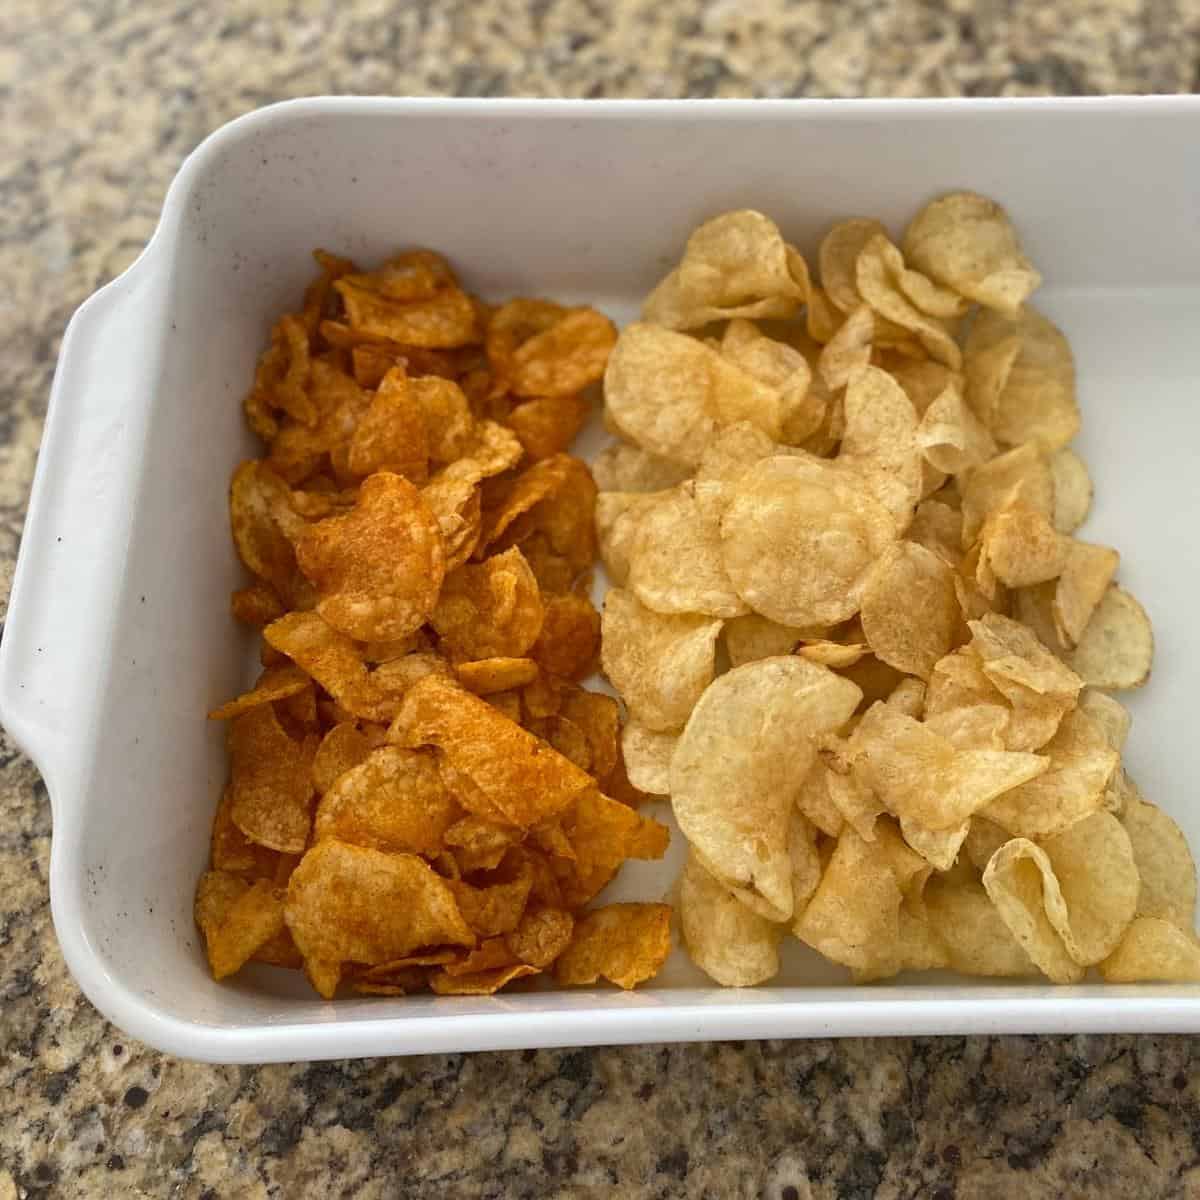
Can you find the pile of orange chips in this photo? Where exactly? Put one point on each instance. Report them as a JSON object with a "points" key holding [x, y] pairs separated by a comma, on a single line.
{"points": [[421, 793]]}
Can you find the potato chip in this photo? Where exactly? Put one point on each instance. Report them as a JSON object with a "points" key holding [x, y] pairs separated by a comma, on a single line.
{"points": [[1072, 490], [660, 663], [670, 393], [495, 908], [647, 756], [938, 847], [493, 610], [969, 926], [781, 366], [343, 747], [1021, 546], [813, 801], [479, 844], [489, 955], [735, 265], [974, 727], [271, 785], [393, 800], [857, 803], [849, 350], [1154, 950], [965, 241], [1116, 648], [237, 918], [354, 904], [1033, 400], [511, 326], [491, 450], [275, 683], [390, 436], [1164, 864], [548, 425], [517, 773], [378, 568], [798, 539], [837, 257], [256, 605], [910, 609], [740, 763], [489, 675], [1019, 476], [566, 357], [455, 505], [482, 983], [569, 640], [1082, 583], [265, 525], [232, 851], [541, 935], [728, 941], [750, 637], [444, 319], [623, 467], [623, 943], [281, 380], [951, 436], [938, 528]]}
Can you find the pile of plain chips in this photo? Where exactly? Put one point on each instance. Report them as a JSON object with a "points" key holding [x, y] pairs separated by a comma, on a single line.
{"points": [[860, 647], [421, 794]]}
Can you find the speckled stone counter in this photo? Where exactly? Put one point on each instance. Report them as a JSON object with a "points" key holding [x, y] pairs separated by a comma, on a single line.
{"points": [[99, 102]]}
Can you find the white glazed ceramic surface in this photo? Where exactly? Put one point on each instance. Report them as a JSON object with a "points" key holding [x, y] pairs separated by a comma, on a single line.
{"points": [[118, 636]]}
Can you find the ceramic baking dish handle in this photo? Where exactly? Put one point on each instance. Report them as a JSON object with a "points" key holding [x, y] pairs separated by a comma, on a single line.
{"points": [[59, 620]]}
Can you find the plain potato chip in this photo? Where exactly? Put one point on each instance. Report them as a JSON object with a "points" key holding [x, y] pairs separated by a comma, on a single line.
{"points": [[781, 366], [1018, 476], [624, 467], [951, 436], [1164, 864], [518, 773], [378, 568], [623, 943], [938, 527], [1034, 399], [729, 942], [1072, 490], [490, 610], [814, 803], [798, 539], [1110, 714], [970, 927], [1116, 648], [910, 612], [647, 755], [750, 637], [740, 763], [393, 800], [973, 727], [1082, 583], [271, 784], [837, 256], [849, 350], [1022, 547], [353, 904], [735, 265], [660, 663], [618, 518], [1154, 950], [733, 450], [966, 242]]}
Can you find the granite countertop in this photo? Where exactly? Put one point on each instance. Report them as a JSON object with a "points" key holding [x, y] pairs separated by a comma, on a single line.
{"points": [[100, 103]]}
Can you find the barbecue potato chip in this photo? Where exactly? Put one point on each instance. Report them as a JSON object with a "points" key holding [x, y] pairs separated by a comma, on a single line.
{"points": [[736, 265], [660, 663], [647, 756], [481, 983], [455, 505], [393, 800], [549, 424], [965, 242], [497, 907], [1153, 949], [271, 782], [566, 357], [729, 942], [541, 935], [970, 927], [237, 919], [921, 777], [275, 683], [740, 763], [951, 436], [602, 833], [798, 539], [670, 393], [623, 943], [1072, 490], [1164, 864], [1082, 584], [675, 564], [910, 610], [570, 636], [1116, 647], [379, 567], [353, 904], [264, 525], [492, 610], [343, 747], [490, 675], [442, 320], [624, 467], [479, 844], [390, 435], [518, 773], [1034, 399]]}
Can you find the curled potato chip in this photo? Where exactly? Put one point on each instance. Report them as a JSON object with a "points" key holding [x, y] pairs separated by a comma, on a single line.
{"points": [[910, 610], [813, 801], [660, 663], [984, 838], [1164, 864], [265, 526], [271, 783], [849, 350], [281, 380], [623, 943], [729, 942], [493, 610], [966, 242], [549, 424], [782, 366], [489, 675], [1082, 583], [1029, 395], [735, 265], [541, 935], [455, 505], [623, 467], [378, 568], [740, 763], [232, 851], [920, 776], [1072, 490], [670, 393], [479, 844], [390, 435], [237, 919], [938, 527], [497, 907], [480, 983], [618, 517], [1021, 547], [517, 773], [393, 800], [647, 756], [444, 319], [1019, 476], [353, 904], [798, 539], [970, 927], [343, 747], [837, 256], [275, 683], [851, 796], [256, 605], [1110, 714], [566, 357], [675, 564], [951, 436], [570, 636], [1154, 950], [1116, 648]]}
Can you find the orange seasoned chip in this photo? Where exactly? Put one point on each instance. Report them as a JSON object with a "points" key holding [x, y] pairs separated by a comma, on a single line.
{"points": [[488, 675], [264, 525], [281, 380], [237, 919], [518, 773], [541, 935], [490, 610], [549, 424], [379, 567], [272, 784], [598, 717], [566, 357], [275, 683], [456, 506], [444, 319], [343, 747], [624, 943], [511, 326], [232, 851], [479, 844], [482, 983], [256, 605], [569, 640], [390, 436], [494, 908]]}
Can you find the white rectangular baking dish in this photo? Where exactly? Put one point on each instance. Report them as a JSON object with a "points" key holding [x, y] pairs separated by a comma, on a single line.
{"points": [[118, 636]]}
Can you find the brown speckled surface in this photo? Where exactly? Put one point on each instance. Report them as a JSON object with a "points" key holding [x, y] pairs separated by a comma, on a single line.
{"points": [[99, 102]]}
